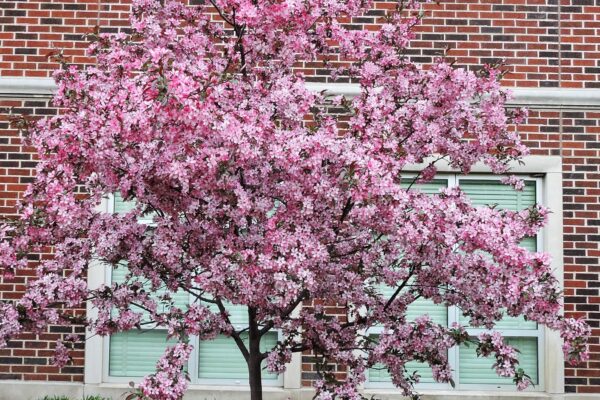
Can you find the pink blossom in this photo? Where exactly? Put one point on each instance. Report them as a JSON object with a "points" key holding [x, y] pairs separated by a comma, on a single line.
{"points": [[61, 355], [517, 183], [170, 381]]}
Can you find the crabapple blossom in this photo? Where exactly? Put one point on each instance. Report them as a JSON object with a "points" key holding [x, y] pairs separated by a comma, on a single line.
{"points": [[257, 198], [169, 382]]}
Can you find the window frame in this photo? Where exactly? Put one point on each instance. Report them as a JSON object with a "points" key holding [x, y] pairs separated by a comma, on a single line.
{"points": [[453, 315], [548, 166], [194, 360]]}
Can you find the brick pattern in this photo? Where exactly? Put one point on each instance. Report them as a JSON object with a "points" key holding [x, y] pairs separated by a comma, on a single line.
{"points": [[523, 33], [581, 203], [17, 162], [28, 357], [313, 364], [580, 43], [533, 36]]}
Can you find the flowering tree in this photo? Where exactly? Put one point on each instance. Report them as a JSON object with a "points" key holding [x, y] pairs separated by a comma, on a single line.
{"points": [[257, 198]]}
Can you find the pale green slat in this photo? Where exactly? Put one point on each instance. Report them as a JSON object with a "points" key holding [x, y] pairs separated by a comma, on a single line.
{"points": [[120, 206], [437, 312], [493, 192], [432, 187], [529, 243], [135, 353], [180, 298], [238, 314], [478, 370], [508, 323], [221, 358], [380, 374]]}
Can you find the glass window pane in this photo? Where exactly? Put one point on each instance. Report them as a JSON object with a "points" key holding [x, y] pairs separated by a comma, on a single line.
{"points": [[485, 192], [135, 353], [478, 370], [221, 358]]}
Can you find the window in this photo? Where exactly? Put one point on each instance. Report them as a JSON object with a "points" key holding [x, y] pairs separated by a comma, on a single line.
{"points": [[538, 344], [133, 354], [470, 371]]}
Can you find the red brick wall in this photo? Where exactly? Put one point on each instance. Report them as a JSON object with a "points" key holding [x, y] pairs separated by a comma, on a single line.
{"points": [[532, 35], [581, 197], [28, 357]]}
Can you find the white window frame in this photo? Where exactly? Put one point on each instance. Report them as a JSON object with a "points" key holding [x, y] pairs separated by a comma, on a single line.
{"points": [[546, 171], [552, 237], [97, 349]]}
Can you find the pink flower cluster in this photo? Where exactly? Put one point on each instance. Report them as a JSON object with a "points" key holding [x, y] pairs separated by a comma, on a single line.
{"points": [[170, 381], [506, 358], [9, 323]]}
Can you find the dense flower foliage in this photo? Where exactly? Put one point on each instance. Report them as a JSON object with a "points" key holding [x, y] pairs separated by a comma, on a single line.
{"points": [[258, 198]]}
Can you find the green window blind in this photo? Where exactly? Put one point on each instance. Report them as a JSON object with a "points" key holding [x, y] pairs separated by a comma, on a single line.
{"points": [[483, 192], [221, 358], [507, 323], [180, 298], [121, 206], [479, 370], [431, 187], [135, 353], [238, 314], [437, 312], [380, 374]]}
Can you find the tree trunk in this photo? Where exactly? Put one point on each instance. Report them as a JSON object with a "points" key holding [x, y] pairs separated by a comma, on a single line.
{"points": [[255, 358]]}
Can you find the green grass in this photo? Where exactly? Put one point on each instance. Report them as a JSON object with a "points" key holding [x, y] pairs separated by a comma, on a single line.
{"points": [[56, 398]]}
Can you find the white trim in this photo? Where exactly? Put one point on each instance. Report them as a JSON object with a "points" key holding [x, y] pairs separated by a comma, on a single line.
{"points": [[530, 165], [26, 87], [94, 344], [453, 178], [553, 244], [546, 98], [292, 377], [530, 97], [97, 348], [563, 98], [31, 390]]}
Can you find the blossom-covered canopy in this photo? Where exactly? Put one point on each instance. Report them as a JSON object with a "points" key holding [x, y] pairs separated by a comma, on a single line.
{"points": [[258, 197]]}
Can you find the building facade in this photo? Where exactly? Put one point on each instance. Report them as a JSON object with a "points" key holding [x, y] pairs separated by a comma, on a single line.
{"points": [[552, 51]]}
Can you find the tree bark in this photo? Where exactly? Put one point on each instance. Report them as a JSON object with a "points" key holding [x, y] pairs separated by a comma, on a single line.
{"points": [[255, 358]]}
